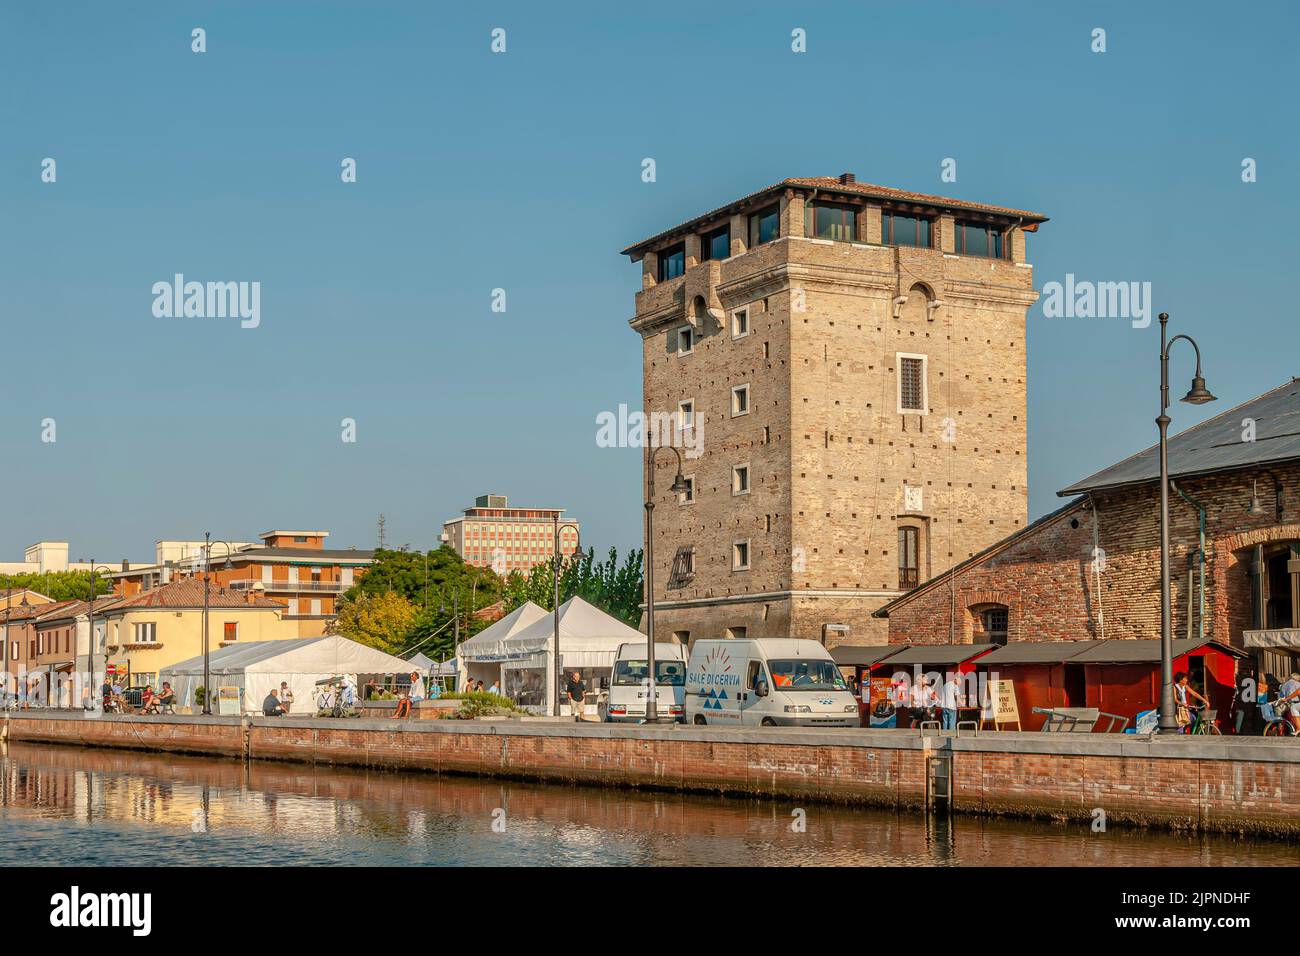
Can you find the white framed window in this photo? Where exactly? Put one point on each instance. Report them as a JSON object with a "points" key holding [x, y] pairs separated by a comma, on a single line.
{"points": [[740, 401], [266, 574], [686, 414], [740, 479], [145, 632], [687, 497], [293, 575], [740, 555], [345, 577], [685, 340], [740, 323], [913, 390]]}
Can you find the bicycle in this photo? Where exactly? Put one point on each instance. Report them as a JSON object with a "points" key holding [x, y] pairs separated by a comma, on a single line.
{"points": [[1203, 722], [1275, 724]]}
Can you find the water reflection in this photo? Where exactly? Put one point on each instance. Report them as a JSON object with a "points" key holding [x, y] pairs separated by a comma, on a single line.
{"points": [[68, 805]]}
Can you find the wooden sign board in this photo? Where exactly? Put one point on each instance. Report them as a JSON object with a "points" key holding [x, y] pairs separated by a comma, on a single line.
{"points": [[1001, 706]]}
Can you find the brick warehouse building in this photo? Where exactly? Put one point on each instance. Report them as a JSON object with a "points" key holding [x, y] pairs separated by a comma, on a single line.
{"points": [[852, 359], [1042, 584]]}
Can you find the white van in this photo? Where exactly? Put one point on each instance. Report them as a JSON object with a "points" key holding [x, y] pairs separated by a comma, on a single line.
{"points": [[628, 684], [769, 682]]}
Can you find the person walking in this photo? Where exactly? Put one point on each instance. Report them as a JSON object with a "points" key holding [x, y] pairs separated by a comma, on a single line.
{"points": [[577, 693]]}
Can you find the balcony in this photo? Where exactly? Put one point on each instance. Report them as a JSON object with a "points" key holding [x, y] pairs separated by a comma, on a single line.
{"points": [[908, 578], [290, 587]]}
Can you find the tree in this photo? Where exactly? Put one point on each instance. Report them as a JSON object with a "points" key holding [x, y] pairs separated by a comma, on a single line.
{"points": [[58, 585], [613, 587], [382, 621], [439, 586]]}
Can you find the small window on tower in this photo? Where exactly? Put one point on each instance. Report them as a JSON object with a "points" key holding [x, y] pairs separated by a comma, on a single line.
{"points": [[685, 340], [739, 323], [912, 395], [739, 401]]}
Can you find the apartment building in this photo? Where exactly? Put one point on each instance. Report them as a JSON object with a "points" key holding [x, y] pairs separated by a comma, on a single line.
{"points": [[292, 567], [493, 535], [23, 648], [153, 629], [849, 360]]}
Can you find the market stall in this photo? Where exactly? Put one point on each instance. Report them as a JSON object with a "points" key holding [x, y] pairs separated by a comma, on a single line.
{"points": [[589, 642], [481, 656], [242, 675]]}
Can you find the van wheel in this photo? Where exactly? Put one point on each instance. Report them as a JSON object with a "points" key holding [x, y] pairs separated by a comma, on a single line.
{"points": [[699, 720], [767, 722]]}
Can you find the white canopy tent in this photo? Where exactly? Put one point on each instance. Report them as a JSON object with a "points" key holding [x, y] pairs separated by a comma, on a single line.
{"points": [[589, 639], [422, 662], [480, 657], [258, 666]]}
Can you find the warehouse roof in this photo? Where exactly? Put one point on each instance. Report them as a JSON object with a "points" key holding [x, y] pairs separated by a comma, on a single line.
{"points": [[1218, 444]]}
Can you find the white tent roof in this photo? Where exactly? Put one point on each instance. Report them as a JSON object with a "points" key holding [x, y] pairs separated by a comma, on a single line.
{"points": [[304, 655], [588, 636], [420, 661], [488, 644]]}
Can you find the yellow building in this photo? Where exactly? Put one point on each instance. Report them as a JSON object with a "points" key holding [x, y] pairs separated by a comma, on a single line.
{"points": [[149, 631]]}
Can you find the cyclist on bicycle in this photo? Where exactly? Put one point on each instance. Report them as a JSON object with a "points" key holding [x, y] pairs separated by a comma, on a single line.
{"points": [[1288, 701], [1183, 708]]}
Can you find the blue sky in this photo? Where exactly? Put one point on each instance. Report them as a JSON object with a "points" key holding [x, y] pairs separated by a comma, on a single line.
{"points": [[522, 171]]}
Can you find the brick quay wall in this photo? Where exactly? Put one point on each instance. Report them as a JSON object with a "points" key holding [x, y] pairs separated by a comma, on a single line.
{"points": [[1230, 785]]}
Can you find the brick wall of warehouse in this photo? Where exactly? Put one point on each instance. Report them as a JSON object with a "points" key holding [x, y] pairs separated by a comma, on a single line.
{"points": [[1046, 580]]}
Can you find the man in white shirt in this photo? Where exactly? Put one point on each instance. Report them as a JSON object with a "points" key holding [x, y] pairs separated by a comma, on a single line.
{"points": [[417, 687]]}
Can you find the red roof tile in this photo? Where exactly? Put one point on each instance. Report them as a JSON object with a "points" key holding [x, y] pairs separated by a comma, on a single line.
{"points": [[188, 593]]}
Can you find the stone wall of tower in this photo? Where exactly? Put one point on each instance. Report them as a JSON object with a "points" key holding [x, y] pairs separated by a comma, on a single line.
{"points": [[829, 453]]}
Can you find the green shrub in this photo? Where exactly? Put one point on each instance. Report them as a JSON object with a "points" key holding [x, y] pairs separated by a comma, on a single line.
{"points": [[481, 704], [482, 696]]}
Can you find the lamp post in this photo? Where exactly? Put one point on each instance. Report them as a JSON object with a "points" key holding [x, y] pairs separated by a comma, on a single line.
{"points": [[9, 609], [207, 587], [678, 487], [1256, 508], [90, 637], [554, 668], [1198, 394]]}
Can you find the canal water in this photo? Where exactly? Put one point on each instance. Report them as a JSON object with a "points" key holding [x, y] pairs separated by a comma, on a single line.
{"points": [[66, 805]]}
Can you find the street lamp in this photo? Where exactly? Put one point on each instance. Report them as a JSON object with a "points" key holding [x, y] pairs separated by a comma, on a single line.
{"points": [[678, 487], [1198, 394], [9, 609], [1256, 508], [207, 587], [90, 638], [553, 669]]}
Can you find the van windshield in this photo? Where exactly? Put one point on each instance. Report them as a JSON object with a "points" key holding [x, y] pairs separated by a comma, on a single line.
{"points": [[806, 675], [634, 673]]}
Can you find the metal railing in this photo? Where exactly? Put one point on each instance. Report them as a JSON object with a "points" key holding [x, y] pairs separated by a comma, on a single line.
{"points": [[319, 587]]}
